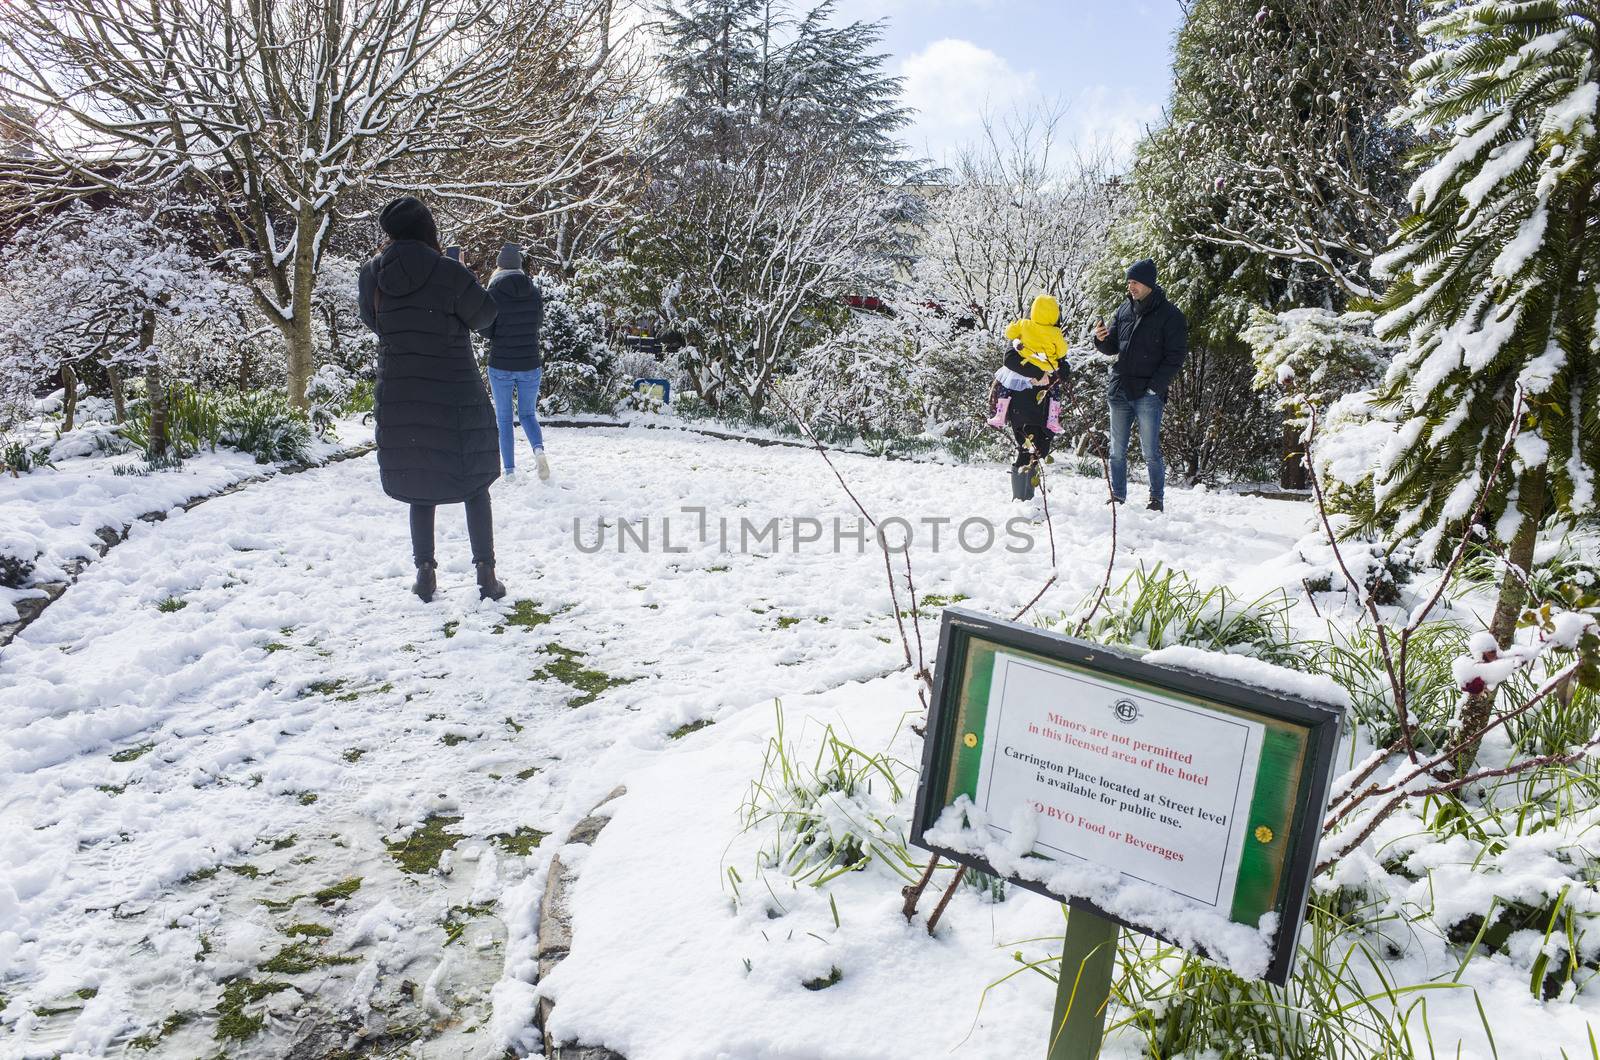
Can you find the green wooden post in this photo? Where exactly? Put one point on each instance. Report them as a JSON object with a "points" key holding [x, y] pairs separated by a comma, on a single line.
{"points": [[1084, 991]]}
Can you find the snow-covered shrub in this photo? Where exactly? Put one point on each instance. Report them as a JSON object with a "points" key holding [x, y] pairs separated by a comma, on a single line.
{"points": [[264, 424], [580, 367], [113, 288], [14, 570], [328, 392], [339, 334], [20, 457], [1315, 356]]}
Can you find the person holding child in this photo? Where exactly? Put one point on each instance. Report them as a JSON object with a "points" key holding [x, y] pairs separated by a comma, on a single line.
{"points": [[1025, 393]]}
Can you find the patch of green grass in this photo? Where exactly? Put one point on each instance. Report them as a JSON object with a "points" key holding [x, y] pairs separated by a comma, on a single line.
{"points": [[249, 872], [930, 604], [456, 921], [128, 754], [200, 875], [232, 1023], [721, 569], [46, 1011], [687, 727], [323, 688], [306, 798], [823, 982], [450, 739], [300, 957], [354, 754], [522, 842], [308, 929], [785, 621], [276, 645], [450, 629], [286, 842], [171, 604], [526, 614], [566, 669], [419, 852], [338, 892], [528, 774], [355, 694], [87, 992], [111, 789], [150, 1039], [513, 723]]}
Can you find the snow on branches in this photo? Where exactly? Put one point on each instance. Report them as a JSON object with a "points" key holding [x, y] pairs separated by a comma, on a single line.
{"points": [[115, 288], [1496, 275]]}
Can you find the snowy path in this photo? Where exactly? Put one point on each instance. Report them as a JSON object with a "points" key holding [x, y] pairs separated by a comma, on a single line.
{"points": [[215, 743]]}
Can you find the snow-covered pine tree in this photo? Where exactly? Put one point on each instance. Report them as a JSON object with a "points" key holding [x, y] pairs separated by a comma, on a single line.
{"points": [[775, 190], [1494, 284]]}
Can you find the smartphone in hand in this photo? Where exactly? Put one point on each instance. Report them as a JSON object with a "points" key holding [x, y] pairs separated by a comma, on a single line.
{"points": [[453, 253]]}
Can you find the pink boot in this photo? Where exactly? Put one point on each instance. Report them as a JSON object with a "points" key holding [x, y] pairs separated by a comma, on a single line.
{"points": [[999, 417], [1053, 424]]}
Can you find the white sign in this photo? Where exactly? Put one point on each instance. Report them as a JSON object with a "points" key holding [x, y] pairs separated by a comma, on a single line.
{"points": [[1145, 784]]}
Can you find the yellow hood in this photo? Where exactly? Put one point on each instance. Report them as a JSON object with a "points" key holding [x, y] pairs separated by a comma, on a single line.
{"points": [[1042, 342]]}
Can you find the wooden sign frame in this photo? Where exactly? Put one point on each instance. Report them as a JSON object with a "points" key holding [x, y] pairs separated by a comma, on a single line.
{"points": [[1300, 740]]}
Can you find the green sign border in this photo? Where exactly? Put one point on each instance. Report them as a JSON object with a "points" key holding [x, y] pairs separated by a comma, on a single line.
{"points": [[1292, 779]]}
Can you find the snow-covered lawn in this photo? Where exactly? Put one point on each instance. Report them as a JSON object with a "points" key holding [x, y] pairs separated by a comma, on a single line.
{"points": [[56, 515], [232, 755]]}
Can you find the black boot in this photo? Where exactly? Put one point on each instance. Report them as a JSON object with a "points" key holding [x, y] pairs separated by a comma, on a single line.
{"points": [[1154, 505], [489, 587], [427, 581], [1022, 485]]}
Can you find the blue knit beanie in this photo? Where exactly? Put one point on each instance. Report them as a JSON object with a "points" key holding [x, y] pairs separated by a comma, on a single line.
{"points": [[1144, 272]]}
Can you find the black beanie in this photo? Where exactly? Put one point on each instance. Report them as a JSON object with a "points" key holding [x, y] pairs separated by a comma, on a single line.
{"points": [[1143, 271], [407, 218]]}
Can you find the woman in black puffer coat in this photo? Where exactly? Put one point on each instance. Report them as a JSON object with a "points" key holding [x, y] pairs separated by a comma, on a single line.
{"points": [[435, 426]]}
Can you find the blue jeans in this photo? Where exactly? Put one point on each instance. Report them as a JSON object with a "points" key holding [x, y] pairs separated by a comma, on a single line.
{"points": [[523, 387], [1123, 412]]}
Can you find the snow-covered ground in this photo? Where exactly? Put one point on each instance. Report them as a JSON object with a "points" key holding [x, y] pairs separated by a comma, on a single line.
{"points": [[56, 515], [255, 794]]}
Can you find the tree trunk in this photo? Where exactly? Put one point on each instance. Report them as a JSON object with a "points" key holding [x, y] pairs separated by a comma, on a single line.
{"points": [[155, 389], [69, 397], [302, 352], [1292, 472], [1513, 598], [119, 394]]}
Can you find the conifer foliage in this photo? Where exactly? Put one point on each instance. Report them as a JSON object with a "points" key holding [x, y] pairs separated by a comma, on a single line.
{"points": [[1494, 275]]}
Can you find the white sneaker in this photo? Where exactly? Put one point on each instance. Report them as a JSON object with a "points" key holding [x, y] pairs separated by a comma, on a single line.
{"points": [[544, 465], [510, 476]]}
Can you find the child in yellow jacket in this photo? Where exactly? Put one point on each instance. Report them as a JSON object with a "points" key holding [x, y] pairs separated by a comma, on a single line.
{"points": [[1037, 350]]}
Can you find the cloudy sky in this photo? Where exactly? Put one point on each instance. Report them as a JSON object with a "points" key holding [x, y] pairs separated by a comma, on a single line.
{"points": [[1107, 60]]}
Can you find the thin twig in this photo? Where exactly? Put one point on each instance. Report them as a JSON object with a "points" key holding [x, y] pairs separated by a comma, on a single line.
{"points": [[1111, 560], [913, 892], [944, 900]]}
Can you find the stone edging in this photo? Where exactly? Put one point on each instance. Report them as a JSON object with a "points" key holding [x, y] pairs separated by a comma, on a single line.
{"points": [[30, 608], [555, 932]]}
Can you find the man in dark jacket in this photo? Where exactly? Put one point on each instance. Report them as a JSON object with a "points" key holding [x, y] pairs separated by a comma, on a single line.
{"points": [[1149, 338], [434, 425], [515, 364]]}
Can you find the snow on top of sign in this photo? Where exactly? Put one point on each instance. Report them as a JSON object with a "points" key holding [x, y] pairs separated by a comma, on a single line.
{"points": [[1243, 949], [1253, 671]]}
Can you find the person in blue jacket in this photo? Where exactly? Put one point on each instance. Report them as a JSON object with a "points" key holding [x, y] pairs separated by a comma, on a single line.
{"points": [[1149, 337], [515, 363]]}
